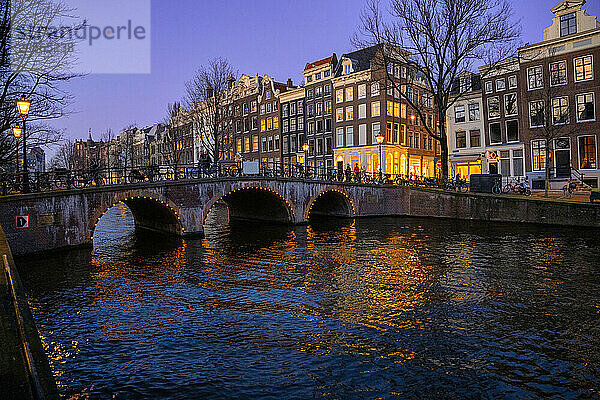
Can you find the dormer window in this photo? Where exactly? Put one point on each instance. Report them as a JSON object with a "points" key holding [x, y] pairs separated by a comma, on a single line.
{"points": [[326, 74], [309, 79], [465, 84], [317, 76], [347, 69], [568, 24]]}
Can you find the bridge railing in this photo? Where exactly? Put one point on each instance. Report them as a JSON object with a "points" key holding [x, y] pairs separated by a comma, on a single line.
{"points": [[63, 179]]}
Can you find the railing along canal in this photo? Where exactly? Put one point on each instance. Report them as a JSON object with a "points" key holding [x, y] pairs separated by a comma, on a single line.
{"points": [[64, 179]]}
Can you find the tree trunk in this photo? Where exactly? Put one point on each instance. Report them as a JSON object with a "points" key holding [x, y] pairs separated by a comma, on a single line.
{"points": [[547, 169], [444, 149]]}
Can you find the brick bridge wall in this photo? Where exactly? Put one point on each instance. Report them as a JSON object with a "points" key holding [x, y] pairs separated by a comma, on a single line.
{"points": [[68, 218]]}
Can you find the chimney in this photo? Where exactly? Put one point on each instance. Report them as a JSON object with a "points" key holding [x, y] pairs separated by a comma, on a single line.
{"points": [[230, 82], [209, 91], [290, 84]]}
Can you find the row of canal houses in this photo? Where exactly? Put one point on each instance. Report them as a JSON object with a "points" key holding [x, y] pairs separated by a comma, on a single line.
{"points": [[342, 106], [496, 125], [548, 93]]}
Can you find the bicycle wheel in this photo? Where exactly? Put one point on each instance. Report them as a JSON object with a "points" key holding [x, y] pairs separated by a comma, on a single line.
{"points": [[506, 189], [496, 190], [234, 171]]}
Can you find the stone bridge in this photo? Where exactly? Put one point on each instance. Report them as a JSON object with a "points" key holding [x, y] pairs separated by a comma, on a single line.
{"points": [[61, 219], [67, 218]]}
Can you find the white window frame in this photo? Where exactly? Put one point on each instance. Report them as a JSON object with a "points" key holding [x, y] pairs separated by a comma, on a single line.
{"points": [[338, 136], [550, 73], [362, 134], [510, 78], [499, 107], [362, 88], [362, 111], [529, 88], [478, 109], [348, 135], [506, 130], [490, 132], [568, 110], [516, 105], [579, 155], [375, 89], [577, 107], [498, 81], [529, 115], [575, 70], [490, 85], [464, 112]]}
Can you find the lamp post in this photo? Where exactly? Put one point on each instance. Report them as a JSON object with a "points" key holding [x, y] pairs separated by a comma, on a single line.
{"points": [[17, 132], [305, 147], [380, 139], [23, 109]]}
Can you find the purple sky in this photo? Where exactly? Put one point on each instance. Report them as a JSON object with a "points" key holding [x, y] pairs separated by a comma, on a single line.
{"points": [[276, 37]]}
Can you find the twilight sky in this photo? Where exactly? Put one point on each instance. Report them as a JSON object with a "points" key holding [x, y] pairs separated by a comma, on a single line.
{"points": [[275, 37]]}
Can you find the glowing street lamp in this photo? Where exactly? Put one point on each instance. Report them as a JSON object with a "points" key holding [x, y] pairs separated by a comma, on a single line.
{"points": [[23, 106], [412, 118], [380, 139], [17, 131]]}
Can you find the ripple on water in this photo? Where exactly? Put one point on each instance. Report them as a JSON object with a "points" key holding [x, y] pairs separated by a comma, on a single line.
{"points": [[338, 309]]}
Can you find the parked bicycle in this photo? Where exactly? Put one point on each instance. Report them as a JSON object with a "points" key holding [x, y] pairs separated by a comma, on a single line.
{"points": [[518, 187]]}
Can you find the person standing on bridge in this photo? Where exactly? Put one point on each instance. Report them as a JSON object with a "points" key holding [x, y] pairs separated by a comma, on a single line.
{"points": [[348, 173]]}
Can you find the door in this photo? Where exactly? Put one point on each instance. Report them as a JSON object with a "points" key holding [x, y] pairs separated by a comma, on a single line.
{"points": [[563, 158]]}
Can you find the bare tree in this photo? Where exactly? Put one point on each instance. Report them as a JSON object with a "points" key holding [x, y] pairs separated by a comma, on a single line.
{"points": [[438, 39], [124, 148], [63, 158], [175, 133], [205, 97], [35, 60]]}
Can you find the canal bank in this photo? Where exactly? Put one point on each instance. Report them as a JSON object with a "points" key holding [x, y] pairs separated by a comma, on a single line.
{"points": [[24, 369]]}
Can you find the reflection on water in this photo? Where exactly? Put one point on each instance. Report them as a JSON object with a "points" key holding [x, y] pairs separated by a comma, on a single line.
{"points": [[339, 309]]}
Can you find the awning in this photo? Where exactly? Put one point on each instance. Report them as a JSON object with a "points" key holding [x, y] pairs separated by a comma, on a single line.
{"points": [[465, 159]]}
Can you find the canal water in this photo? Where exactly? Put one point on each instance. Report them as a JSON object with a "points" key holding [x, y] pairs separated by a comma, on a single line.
{"points": [[365, 309]]}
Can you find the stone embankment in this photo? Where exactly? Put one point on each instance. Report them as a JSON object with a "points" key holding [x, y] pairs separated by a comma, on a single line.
{"points": [[24, 369]]}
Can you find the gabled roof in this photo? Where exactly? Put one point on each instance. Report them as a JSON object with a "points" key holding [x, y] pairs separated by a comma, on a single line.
{"points": [[329, 60], [361, 59], [566, 5]]}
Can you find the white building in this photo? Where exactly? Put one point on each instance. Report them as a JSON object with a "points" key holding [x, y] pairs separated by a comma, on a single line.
{"points": [[465, 128]]}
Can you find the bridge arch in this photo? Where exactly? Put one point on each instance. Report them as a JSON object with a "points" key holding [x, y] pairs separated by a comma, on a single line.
{"points": [[254, 203], [331, 202], [150, 212]]}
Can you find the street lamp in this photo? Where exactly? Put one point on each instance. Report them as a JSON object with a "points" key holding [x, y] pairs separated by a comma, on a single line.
{"points": [[305, 147], [380, 139], [17, 132], [23, 109]]}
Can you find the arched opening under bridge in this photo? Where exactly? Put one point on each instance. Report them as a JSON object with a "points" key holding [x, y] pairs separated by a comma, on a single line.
{"points": [[254, 204], [141, 213], [331, 203]]}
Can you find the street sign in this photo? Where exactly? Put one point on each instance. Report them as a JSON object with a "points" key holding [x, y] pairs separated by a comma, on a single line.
{"points": [[439, 164], [22, 221]]}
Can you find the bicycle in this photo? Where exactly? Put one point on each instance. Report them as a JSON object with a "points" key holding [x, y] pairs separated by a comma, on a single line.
{"points": [[569, 189], [497, 189]]}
